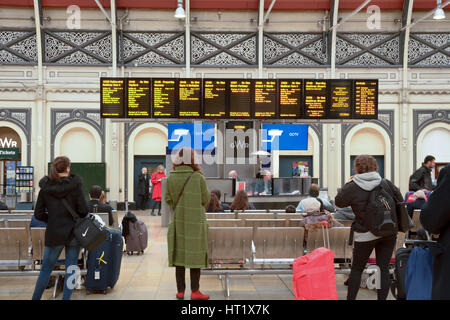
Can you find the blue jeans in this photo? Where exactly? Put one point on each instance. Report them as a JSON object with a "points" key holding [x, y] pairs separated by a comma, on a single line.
{"points": [[51, 255]]}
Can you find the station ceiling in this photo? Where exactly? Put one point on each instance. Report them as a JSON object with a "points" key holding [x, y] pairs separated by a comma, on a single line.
{"points": [[228, 4]]}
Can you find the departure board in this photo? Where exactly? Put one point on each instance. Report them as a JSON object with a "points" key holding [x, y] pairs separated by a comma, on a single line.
{"points": [[138, 97], [164, 98], [315, 99], [112, 97], [240, 98], [366, 99], [265, 97], [290, 98], [214, 98], [340, 99], [190, 98]]}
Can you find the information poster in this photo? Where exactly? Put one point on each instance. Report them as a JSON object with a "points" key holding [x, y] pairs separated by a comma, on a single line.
{"points": [[138, 97], [366, 99], [340, 99], [112, 97], [164, 98], [214, 98], [190, 98], [240, 98], [265, 97], [290, 98], [315, 99]]}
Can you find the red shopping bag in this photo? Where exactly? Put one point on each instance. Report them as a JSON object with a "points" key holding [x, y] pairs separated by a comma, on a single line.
{"points": [[314, 277]]}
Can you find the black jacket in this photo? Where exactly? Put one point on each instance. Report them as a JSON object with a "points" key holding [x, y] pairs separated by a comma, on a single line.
{"points": [[421, 179], [94, 207], [60, 222], [143, 185], [435, 217], [352, 195]]}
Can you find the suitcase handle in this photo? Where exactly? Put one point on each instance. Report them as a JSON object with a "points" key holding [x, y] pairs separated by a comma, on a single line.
{"points": [[325, 230]]}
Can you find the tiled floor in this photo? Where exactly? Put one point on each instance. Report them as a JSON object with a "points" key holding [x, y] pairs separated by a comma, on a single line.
{"points": [[148, 277]]}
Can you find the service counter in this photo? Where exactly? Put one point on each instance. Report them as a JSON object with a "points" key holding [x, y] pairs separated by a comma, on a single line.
{"points": [[276, 193]]}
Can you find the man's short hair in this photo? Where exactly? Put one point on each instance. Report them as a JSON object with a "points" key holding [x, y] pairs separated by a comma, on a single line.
{"points": [[217, 193], [95, 192], [290, 209], [428, 158], [314, 190]]}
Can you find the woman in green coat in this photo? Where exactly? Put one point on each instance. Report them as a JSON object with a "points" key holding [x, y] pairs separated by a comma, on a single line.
{"points": [[187, 236]]}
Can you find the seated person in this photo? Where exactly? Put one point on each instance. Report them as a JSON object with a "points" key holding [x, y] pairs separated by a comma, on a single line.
{"points": [[344, 214], [314, 193], [3, 206], [219, 195], [95, 206], [290, 209], [420, 198], [240, 202], [314, 207], [264, 186], [213, 205], [233, 175]]}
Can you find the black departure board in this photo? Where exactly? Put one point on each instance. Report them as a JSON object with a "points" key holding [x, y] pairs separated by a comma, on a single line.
{"points": [[164, 95], [138, 97], [214, 98], [112, 97], [315, 99], [290, 98], [240, 98], [340, 104], [366, 99], [189, 98], [265, 98]]}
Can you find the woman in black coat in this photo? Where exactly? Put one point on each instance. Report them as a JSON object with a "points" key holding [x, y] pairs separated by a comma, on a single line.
{"points": [[59, 233], [435, 217], [355, 193]]}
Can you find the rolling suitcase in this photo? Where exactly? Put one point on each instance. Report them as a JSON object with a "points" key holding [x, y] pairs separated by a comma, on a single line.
{"points": [[103, 263], [137, 239], [314, 277], [419, 274], [398, 283]]}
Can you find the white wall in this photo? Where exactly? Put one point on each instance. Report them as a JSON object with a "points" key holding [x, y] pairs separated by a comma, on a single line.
{"points": [[79, 145], [436, 143]]}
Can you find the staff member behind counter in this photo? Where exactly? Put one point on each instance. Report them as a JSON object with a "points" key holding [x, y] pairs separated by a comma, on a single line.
{"points": [[263, 187]]}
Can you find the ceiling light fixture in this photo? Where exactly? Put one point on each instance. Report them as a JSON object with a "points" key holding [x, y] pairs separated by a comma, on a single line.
{"points": [[180, 13], [439, 13]]}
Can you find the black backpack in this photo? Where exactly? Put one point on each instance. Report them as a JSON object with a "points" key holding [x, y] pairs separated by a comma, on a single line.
{"points": [[379, 215]]}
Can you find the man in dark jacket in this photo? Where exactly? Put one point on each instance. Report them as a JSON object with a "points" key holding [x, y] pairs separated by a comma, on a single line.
{"points": [[421, 178], [143, 190], [95, 206], [435, 218]]}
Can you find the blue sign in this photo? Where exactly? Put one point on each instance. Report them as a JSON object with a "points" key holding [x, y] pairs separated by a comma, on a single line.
{"points": [[198, 136], [284, 137]]}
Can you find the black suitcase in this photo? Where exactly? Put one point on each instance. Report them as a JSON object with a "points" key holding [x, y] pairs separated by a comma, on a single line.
{"points": [[398, 283]]}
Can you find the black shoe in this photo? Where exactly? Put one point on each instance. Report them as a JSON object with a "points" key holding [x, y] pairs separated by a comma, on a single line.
{"points": [[159, 213], [346, 282], [153, 214]]}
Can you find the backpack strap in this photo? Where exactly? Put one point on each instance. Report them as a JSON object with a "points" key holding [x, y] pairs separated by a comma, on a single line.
{"points": [[182, 190]]}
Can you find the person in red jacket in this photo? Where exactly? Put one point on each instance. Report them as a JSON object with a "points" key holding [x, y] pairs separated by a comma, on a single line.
{"points": [[156, 181]]}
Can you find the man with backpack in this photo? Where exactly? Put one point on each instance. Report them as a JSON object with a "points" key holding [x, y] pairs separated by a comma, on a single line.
{"points": [[373, 201], [421, 178]]}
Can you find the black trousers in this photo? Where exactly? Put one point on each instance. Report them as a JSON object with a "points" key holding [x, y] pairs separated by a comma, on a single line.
{"points": [[361, 253], [181, 282], [141, 202], [156, 204]]}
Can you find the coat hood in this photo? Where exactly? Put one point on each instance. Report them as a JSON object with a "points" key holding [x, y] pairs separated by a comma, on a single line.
{"points": [[367, 181], [61, 187]]}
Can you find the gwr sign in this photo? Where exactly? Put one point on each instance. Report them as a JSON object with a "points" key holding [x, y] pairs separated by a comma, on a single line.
{"points": [[7, 143]]}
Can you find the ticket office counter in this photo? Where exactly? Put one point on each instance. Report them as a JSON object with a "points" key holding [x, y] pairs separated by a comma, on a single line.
{"points": [[276, 193]]}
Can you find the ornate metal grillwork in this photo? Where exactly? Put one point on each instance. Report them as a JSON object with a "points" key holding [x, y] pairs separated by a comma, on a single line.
{"points": [[77, 47], [429, 49], [295, 49], [368, 49], [152, 48], [18, 47], [223, 49]]}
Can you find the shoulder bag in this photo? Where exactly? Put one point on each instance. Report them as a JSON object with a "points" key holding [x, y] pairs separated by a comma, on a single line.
{"points": [[87, 231], [404, 221]]}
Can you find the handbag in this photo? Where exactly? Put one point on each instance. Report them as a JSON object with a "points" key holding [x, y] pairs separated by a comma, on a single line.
{"points": [[87, 231], [404, 221]]}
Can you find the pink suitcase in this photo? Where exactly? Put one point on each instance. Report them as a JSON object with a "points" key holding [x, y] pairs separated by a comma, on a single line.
{"points": [[137, 239], [314, 277]]}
